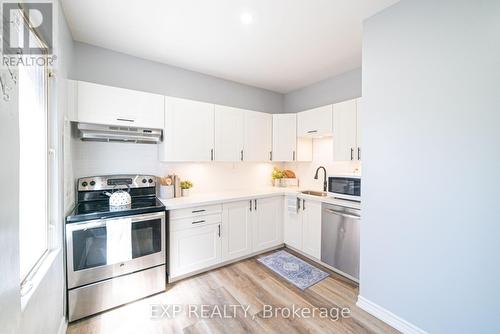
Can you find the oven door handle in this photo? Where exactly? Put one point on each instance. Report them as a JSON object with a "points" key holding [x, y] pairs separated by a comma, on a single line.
{"points": [[102, 222]]}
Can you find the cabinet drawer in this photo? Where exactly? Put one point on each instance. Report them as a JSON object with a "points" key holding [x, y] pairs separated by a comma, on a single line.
{"points": [[196, 221], [195, 211]]}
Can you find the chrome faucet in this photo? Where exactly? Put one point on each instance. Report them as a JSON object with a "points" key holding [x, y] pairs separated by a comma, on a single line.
{"points": [[324, 176]]}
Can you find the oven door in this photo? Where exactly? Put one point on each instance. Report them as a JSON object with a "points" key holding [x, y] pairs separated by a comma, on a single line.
{"points": [[104, 248]]}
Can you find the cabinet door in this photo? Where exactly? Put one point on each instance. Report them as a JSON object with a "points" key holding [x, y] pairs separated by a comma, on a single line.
{"points": [[236, 230], [194, 249], [258, 136], [358, 128], [188, 132], [344, 131], [315, 122], [229, 132], [311, 228], [118, 106], [284, 137], [292, 226], [267, 223]]}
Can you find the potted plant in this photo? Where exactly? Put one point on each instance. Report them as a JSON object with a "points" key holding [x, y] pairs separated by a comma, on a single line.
{"points": [[185, 186], [277, 176]]}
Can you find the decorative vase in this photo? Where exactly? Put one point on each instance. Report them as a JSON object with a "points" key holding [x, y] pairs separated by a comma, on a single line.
{"points": [[185, 192], [167, 192]]}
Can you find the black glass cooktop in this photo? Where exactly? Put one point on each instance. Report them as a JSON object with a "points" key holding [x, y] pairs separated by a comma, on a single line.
{"points": [[100, 209]]}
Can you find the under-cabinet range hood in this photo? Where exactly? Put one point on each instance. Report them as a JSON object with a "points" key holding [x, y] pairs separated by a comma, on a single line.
{"points": [[115, 133]]}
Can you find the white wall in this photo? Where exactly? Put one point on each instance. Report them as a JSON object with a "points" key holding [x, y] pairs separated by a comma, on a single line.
{"points": [[339, 88], [108, 67], [430, 120], [94, 158]]}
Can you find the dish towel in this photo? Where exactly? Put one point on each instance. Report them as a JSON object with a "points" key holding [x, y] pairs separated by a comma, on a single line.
{"points": [[119, 240]]}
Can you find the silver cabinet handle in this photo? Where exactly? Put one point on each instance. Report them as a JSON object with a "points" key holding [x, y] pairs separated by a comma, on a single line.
{"points": [[352, 153], [241, 155], [198, 222], [359, 153], [125, 120], [212, 154], [303, 204], [271, 156], [198, 211], [250, 205], [255, 207], [342, 214], [312, 131], [293, 156], [298, 204], [219, 231]]}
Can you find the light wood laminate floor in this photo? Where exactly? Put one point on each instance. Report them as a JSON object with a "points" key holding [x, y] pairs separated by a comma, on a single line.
{"points": [[247, 283]]}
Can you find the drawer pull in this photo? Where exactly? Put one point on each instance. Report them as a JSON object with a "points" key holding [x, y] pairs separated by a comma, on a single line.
{"points": [[125, 120], [198, 211], [198, 222]]}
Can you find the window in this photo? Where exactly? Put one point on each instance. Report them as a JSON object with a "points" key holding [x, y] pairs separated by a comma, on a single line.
{"points": [[34, 165]]}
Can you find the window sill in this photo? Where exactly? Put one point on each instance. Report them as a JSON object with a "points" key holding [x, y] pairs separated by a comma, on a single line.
{"points": [[38, 277]]}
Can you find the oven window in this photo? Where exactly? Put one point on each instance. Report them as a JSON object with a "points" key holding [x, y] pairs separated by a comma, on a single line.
{"points": [[89, 248], [146, 238]]}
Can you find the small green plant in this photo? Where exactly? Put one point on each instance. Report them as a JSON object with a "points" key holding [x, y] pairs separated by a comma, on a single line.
{"points": [[186, 184], [278, 174]]}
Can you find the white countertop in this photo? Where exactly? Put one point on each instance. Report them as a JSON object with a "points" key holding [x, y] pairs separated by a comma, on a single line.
{"points": [[246, 194]]}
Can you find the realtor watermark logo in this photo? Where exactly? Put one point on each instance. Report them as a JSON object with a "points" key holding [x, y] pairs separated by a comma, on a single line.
{"points": [[16, 35]]}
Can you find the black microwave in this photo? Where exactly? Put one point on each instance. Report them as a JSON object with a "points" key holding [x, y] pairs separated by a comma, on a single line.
{"points": [[348, 187]]}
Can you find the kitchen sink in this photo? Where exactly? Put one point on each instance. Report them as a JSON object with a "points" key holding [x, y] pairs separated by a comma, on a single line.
{"points": [[314, 193]]}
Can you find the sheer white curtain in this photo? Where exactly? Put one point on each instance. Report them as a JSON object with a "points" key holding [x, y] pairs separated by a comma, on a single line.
{"points": [[33, 167]]}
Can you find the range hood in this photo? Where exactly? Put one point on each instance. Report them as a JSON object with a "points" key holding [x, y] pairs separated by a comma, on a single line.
{"points": [[115, 133]]}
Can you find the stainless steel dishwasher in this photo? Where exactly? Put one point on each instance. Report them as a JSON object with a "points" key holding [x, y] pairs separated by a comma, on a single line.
{"points": [[340, 239]]}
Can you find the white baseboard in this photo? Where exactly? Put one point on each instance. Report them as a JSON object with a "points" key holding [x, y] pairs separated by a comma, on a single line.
{"points": [[388, 317], [63, 326]]}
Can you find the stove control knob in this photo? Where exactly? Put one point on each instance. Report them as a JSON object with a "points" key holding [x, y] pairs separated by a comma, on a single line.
{"points": [[144, 180], [150, 180], [84, 184], [92, 183]]}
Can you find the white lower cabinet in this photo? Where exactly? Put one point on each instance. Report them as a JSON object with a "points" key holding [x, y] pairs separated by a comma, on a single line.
{"points": [[236, 230], [194, 249], [310, 215], [292, 225], [267, 223]]}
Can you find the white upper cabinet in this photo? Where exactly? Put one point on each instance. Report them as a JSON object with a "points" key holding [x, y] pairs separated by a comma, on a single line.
{"points": [[284, 137], [315, 122], [358, 128], [118, 106], [345, 131], [188, 134], [257, 136], [229, 129]]}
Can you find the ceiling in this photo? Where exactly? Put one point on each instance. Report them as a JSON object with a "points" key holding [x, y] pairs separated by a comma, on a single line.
{"points": [[289, 43]]}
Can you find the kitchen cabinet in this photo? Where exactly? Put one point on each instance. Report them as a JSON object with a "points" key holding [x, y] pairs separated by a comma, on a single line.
{"points": [[188, 132], [284, 137], [292, 225], [229, 129], [345, 132], [194, 249], [317, 122], [286, 146], [267, 223], [358, 128], [257, 136], [310, 216], [236, 230], [108, 105]]}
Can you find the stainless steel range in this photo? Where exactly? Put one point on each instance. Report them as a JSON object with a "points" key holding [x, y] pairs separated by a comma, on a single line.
{"points": [[115, 254]]}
